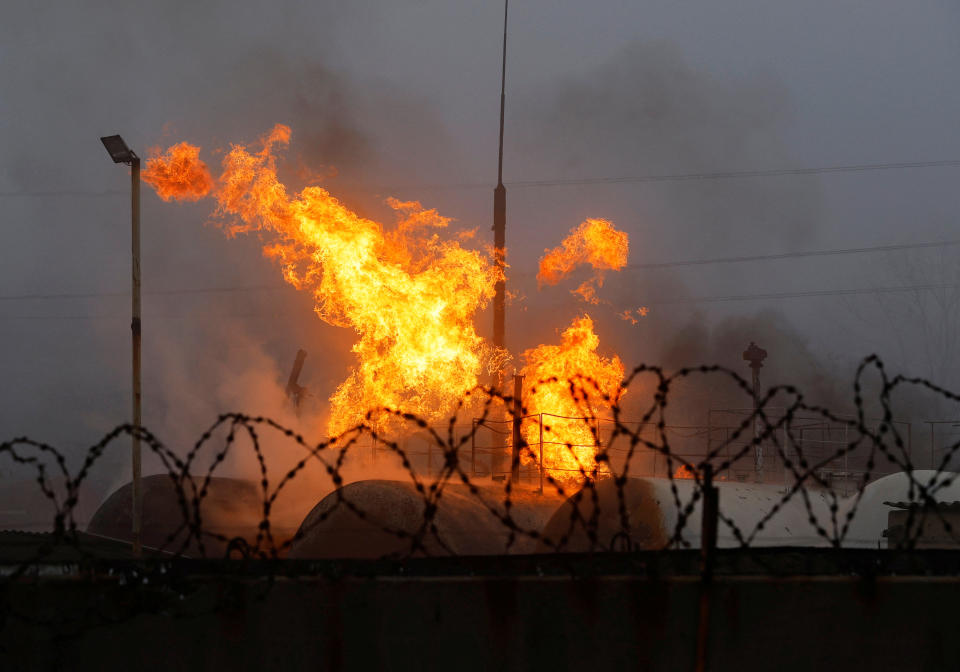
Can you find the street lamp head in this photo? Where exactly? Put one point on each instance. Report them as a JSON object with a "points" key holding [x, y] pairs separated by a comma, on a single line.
{"points": [[755, 355], [117, 149]]}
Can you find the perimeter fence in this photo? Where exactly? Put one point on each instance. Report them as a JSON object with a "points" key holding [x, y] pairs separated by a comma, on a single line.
{"points": [[784, 473]]}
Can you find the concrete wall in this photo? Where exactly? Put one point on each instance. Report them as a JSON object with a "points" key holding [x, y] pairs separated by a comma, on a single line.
{"points": [[638, 612]]}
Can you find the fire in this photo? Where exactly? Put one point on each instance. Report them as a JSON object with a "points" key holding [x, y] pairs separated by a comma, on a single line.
{"points": [[178, 173], [684, 472], [627, 315], [409, 294], [571, 380], [595, 242]]}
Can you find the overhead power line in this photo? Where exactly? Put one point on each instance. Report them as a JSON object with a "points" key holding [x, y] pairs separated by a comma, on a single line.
{"points": [[161, 292], [44, 193], [737, 174], [571, 182], [653, 302], [795, 255], [798, 295], [153, 316], [651, 265]]}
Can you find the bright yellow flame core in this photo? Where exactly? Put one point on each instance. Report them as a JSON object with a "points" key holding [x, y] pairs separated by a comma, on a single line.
{"points": [[409, 295], [569, 445], [595, 242]]}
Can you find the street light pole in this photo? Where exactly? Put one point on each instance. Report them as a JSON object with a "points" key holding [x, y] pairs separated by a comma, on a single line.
{"points": [[135, 332], [120, 153]]}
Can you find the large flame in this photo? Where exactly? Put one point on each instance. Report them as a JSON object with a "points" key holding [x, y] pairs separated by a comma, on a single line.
{"points": [[596, 242], [178, 173], [409, 294], [573, 381]]}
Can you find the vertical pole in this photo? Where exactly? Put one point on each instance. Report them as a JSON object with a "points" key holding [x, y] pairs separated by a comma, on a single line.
{"points": [[517, 433], [708, 523], [758, 458], [910, 442], [500, 252], [846, 466], [541, 453], [500, 209], [755, 356], [473, 447], [726, 440], [596, 451], [708, 544], [786, 444], [135, 328], [710, 441]]}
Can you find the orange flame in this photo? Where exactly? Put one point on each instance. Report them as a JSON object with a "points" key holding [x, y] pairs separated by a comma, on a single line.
{"points": [[684, 472], [573, 381], [627, 315], [411, 296], [595, 242], [178, 173], [408, 294]]}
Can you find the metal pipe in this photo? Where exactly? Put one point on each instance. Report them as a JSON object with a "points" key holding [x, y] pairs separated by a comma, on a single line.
{"points": [[135, 329]]}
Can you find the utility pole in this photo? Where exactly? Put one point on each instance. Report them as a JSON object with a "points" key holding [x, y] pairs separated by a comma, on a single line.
{"points": [[120, 153], [499, 250], [500, 211], [755, 356]]}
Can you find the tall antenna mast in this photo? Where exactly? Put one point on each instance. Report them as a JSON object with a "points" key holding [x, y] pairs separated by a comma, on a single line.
{"points": [[500, 214], [499, 258]]}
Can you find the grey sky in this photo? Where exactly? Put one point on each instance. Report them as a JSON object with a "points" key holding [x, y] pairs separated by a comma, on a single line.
{"points": [[406, 93]]}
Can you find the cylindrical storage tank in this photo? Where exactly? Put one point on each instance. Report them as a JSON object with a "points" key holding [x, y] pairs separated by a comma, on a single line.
{"points": [[650, 511], [873, 506], [374, 518], [231, 507]]}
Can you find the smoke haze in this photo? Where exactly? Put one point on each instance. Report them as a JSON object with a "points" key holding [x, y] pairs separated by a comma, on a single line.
{"points": [[401, 99]]}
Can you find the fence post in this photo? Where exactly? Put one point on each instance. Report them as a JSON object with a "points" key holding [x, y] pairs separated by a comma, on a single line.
{"points": [[708, 547], [708, 522], [597, 448], [517, 433], [473, 447], [541, 453]]}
